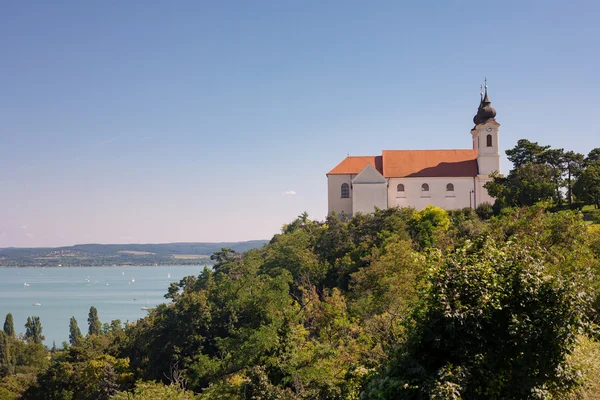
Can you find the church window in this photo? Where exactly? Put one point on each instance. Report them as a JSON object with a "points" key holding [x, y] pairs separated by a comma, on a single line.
{"points": [[489, 140], [400, 190], [345, 191], [450, 187], [425, 190]]}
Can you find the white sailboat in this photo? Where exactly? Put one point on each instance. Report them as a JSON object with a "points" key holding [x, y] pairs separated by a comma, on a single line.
{"points": [[26, 284], [145, 308]]}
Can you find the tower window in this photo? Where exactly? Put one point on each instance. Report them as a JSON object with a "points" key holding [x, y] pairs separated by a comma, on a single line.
{"points": [[449, 187], [424, 190], [489, 140], [345, 191]]}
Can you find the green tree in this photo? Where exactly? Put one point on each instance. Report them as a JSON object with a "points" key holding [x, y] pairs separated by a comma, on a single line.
{"points": [[74, 331], [424, 225], [555, 159], [593, 155], [108, 383], [574, 163], [524, 185], [587, 187], [155, 391], [495, 324], [9, 326], [6, 360], [33, 330], [526, 152], [95, 326]]}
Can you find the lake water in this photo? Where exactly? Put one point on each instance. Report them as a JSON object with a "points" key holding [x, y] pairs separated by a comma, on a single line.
{"points": [[117, 293]]}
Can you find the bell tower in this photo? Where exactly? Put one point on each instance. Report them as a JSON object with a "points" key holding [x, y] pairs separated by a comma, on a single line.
{"points": [[485, 136]]}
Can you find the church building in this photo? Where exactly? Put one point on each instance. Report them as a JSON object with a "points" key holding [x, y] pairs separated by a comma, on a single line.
{"points": [[449, 179]]}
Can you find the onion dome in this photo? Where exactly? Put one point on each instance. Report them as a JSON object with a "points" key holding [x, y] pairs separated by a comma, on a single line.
{"points": [[485, 110], [476, 117]]}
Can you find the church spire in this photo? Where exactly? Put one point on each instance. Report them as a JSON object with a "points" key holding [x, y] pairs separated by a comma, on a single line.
{"points": [[486, 99], [485, 110]]}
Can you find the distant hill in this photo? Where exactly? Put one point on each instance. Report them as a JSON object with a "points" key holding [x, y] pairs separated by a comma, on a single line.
{"points": [[120, 254]]}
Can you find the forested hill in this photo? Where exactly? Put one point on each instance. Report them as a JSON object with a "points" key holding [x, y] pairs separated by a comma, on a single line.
{"points": [[120, 254], [398, 304]]}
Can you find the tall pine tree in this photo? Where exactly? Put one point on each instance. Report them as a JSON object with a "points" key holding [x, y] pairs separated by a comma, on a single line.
{"points": [[94, 322], [9, 326], [6, 361], [74, 331]]}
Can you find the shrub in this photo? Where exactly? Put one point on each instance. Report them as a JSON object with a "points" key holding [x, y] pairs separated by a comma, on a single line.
{"points": [[485, 211]]}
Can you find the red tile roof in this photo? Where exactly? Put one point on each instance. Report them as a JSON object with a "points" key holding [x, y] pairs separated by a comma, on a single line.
{"points": [[352, 165], [413, 163], [429, 163]]}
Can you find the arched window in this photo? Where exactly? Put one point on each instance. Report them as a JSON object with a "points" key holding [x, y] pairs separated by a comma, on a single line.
{"points": [[449, 187], [400, 190], [425, 187], [345, 191], [489, 140]]}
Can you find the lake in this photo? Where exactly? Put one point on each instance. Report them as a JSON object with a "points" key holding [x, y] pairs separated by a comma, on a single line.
{"points": [[117, 293]]}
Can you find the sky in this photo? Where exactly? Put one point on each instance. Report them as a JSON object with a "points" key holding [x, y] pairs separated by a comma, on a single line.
{"points": [[152, 121]]}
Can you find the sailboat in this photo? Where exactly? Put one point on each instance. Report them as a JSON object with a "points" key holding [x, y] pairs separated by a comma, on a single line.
{"points": [[145, 308], [168, 275]]}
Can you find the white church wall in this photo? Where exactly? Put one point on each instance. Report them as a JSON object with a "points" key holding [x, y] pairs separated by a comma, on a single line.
{"points": [[413, 196], [334, 194], [367, 196], [482, 194]]}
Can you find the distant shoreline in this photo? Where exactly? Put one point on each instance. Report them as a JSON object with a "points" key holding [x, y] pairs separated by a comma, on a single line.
{"points": [[121, 255]]}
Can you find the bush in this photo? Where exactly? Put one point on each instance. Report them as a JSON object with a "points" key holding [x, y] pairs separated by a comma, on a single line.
{"points": [[485, 211], [592, 215], [495, 323]]}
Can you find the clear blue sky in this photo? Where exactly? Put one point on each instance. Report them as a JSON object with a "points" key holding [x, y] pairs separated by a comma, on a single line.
{"points": [[151, 121]]}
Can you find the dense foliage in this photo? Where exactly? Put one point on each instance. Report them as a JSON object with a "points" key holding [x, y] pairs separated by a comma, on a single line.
{"points": [[395, 304], [543, 173]]}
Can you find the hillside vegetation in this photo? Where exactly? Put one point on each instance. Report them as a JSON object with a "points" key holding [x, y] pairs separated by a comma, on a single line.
{"points": [[398, 304]]}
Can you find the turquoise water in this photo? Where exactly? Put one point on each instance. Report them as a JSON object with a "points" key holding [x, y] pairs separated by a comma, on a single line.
{"points": [[66, 292]]}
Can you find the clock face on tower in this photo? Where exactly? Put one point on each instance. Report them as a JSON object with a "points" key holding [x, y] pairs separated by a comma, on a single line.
{"points": [[489, 129]]}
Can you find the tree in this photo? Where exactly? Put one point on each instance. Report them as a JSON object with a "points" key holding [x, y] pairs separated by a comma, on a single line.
{"points": [[155, 391], [593, 155], [94, 323], [33, 330], [555, 159], [587, 187], [6, 360], [108, 383], [425, 224], [9, 326], [495, 323], [574, 163], [74, 331], [524, 185], [526, 152]]}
